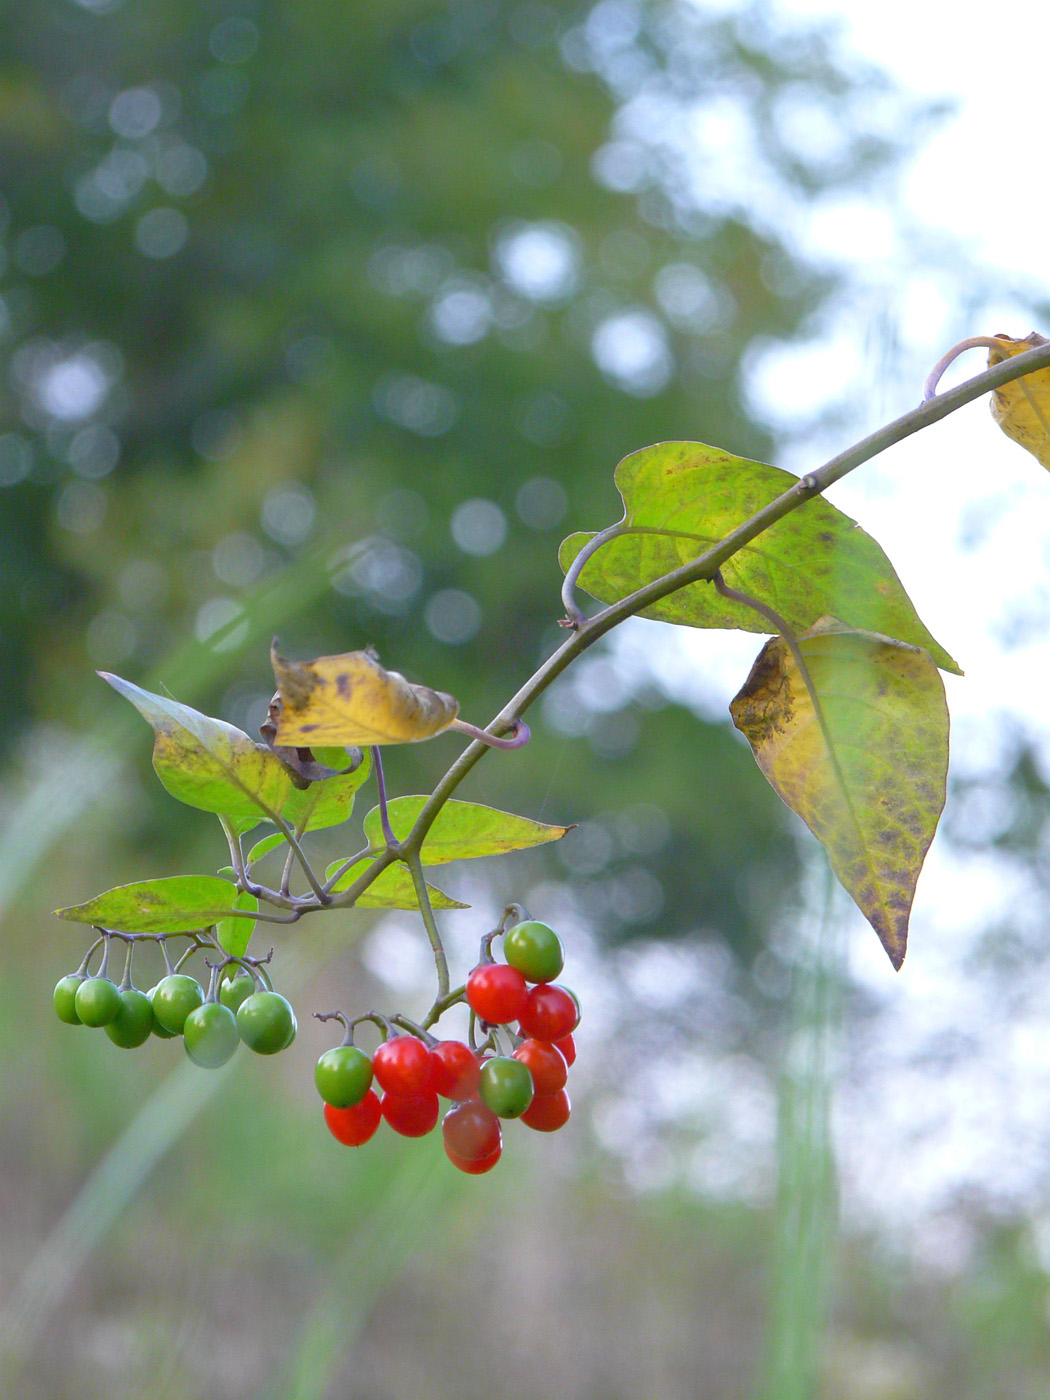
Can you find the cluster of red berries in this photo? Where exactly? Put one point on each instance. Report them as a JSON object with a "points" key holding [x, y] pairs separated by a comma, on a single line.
{"points": [[484, 1083]]}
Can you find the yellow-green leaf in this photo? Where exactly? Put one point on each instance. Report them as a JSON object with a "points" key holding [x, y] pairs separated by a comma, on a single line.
{"points": [[393, 889], [462, 830], [234, 934], [173, 904], [352, 699], [1022, 407], [207, 763], [861, 757], [681, 498]]}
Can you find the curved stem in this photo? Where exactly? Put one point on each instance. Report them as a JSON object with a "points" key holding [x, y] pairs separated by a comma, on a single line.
{"points": [[973, 342], [517, 739], [573, 617], [384, 817]]}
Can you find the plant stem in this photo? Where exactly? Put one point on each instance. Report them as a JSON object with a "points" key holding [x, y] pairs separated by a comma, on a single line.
{"points": [[384, 817], [415, 866]]}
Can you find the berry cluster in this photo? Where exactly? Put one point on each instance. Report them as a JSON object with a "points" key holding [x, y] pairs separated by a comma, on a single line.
{"points": [[511, 1073], [212, 1023]]}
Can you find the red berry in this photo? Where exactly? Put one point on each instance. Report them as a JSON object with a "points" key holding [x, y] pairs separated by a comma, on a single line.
{"points": [[550, 1012], [496, 993], [456, 1070], [474, 1166], [567, 1046], [545, 1063], [402, 1066], [471, 1132], [355, 1125], [411, 1115], [548, 1112]]}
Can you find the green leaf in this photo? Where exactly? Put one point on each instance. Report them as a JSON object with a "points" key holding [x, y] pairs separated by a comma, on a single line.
{"points": [[462, 830], [264, 847], [207, 763], [680, 498], [234, 934], [175, 904], [860, 754], [329, 801], [393, 889]]}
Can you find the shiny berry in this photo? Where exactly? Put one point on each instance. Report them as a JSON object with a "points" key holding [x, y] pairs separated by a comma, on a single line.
{"points": [[506, 1086], [535, 950], [266, 1022], [343, 1076], [545, 1063], [548, 1112], [550, 1013], [411, 1115], [97, 1001], [66, 998], [456, 1070], [471, 1133], [402, 1066], [354, 1125], [210, 1035], [174, 997], [496, 993], [133, 1024]]}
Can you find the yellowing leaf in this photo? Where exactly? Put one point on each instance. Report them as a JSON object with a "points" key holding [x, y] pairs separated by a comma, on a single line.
{"points": [[352, 699], [1022, 407], [860, 754], [391, 889]]}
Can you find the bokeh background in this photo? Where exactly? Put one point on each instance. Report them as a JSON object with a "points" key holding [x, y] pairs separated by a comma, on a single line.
{"points": [[329, 322]]}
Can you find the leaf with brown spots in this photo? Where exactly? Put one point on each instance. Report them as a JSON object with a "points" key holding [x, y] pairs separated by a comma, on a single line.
{"points": [[680, 498], [1022, 407], [352, 699], [857, 746]]}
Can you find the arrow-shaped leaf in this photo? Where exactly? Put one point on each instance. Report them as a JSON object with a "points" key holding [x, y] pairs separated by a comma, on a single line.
{"points": [[175, 904], [680, 498], [462, 830], [393, 888], [860, 754], [208, 763]]}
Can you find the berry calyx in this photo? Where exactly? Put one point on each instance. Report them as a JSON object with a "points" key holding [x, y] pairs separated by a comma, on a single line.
{"points": [[354, 1125], [133, 1024], [66, 997], [456, 1070], [174, 997], [411, 1115], [550, 1013], [401, 1066], [548, 1112], [545, 1063], [535, 950], [266, 1022], [210, 1035], [97, 1001], [506, 1086], [343, 1076], [496, 992]]}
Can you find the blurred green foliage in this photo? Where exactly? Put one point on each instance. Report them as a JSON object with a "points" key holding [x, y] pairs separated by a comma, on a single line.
{"points": [[375, 301]]}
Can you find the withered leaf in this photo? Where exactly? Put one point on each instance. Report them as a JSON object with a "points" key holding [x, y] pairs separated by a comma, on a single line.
{"points": [[860, 754], [1022, 407], [352, 699]]}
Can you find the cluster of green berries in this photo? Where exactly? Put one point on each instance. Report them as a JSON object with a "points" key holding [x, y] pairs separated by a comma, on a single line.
{"points": [[212, 1024], [518, 1071]]}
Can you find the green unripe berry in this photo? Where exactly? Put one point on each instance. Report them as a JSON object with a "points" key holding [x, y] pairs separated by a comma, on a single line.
{"points": [[266, 1023], [133, 1023], [236, 990], [506, 1086], [535, 950], [174, 997], [343, 1076], [210, 1035], [65, 999], [158, 1030], [97, 1001]]}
